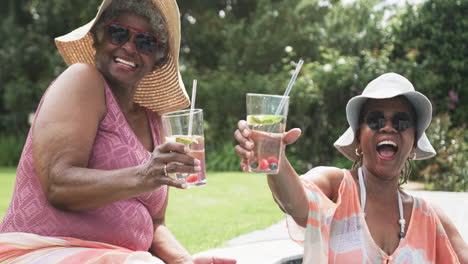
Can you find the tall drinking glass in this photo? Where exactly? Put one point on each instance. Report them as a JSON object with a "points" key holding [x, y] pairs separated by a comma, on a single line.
{"points": [[266, 118], [187, 128]]}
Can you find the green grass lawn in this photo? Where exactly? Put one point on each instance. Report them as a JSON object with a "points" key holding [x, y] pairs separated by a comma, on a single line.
{"points": [[231, 204], [7, 181]]}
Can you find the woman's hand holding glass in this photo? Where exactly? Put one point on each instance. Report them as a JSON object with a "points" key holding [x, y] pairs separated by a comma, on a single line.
{"points": [[246, 144], [167, 158]]}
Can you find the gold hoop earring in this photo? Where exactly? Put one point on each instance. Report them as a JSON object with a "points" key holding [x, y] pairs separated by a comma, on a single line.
{"points": [[358, 152], [358, 161]]}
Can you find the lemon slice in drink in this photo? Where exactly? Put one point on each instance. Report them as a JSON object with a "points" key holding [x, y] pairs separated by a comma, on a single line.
{"points": [[264, 119], [186, 140]]}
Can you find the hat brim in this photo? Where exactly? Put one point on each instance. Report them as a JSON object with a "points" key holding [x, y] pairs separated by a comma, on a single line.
{"points": [[161, 90], [420, 103], [347, 143]]}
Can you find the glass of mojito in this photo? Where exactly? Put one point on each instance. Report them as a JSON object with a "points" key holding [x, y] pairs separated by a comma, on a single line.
{"points": [[186, 127], [266, 118]]}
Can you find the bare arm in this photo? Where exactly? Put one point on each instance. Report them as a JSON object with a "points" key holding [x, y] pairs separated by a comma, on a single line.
{"points": [[64, 134], [289, 193], [165, 246], [459, 245]]}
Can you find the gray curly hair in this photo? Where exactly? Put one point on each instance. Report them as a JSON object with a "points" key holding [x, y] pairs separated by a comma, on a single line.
{"points": [[144, 8]]}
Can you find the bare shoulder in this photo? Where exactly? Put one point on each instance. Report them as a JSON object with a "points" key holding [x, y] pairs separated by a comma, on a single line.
{"points": [[65, 127], [83, 68], [80, 84], [324, 171], [328, 179], [80, 76], [74, 102]]}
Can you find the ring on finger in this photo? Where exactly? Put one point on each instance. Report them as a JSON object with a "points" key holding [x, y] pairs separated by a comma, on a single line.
{"points": [[165, 169]]}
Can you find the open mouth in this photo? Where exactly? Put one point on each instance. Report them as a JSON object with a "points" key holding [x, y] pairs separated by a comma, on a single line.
{"points": [[125, 63], [387, 149]]}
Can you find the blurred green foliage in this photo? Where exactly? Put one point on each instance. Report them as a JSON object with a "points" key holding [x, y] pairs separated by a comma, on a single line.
{"points": [[449, 169], [11, 147], [431, 46], [234, 47]]}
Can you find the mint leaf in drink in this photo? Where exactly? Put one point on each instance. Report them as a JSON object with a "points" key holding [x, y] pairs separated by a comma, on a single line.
{"points": [[264, 119]]}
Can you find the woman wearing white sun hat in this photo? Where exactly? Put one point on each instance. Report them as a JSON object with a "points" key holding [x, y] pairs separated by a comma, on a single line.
{"points": [[92, 183], [362, 215]]}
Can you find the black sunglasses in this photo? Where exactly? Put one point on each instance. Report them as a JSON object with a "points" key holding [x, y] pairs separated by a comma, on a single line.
{"points": [[119, 34], [400, 121]]}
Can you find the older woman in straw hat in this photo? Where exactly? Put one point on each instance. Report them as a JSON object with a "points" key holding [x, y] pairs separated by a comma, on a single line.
{"points": [[92, 183], [362, 215]]}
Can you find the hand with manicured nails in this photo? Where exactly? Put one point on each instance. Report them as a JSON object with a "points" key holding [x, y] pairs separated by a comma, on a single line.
{"points": [[246, 144]]}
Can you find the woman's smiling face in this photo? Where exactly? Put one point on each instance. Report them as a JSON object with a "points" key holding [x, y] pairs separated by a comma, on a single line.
{"points": [[387, 135], [125, 65]]}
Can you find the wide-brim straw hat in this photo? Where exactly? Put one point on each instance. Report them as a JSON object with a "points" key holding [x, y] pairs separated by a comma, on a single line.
{"points": [[386, 86], [161, 90]]}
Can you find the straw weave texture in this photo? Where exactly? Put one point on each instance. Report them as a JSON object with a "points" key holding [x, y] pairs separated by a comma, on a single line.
{"points": [[162, 90]]}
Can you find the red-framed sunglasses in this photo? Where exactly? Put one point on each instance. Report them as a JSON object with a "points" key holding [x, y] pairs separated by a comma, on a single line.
{"points": [[119, 34]]}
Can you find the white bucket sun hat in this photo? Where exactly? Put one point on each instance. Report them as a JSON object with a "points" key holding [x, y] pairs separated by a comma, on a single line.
{"points": [[388, 85], [162, 90]]}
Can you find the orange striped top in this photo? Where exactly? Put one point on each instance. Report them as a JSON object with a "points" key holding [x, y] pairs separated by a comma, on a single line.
{"points": [[337, 232]]}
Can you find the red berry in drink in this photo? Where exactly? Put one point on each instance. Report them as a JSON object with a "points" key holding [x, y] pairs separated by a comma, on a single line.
{"points": [[272, 160], [192, 178], [264, 164]]}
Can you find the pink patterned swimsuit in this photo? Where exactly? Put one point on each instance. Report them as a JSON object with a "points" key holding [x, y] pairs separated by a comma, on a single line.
{"points": [[126, 223]]}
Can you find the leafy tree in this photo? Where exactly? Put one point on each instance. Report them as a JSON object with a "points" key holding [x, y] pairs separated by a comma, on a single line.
{"points": [[253, 53], [448, 170], [430, 42], [238, 46], [30, 58]]}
